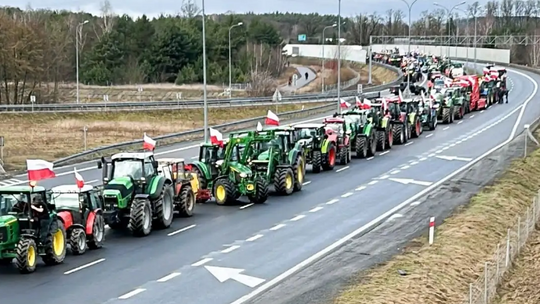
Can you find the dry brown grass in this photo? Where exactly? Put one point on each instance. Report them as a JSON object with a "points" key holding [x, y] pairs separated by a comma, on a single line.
{"points": [[521, 283], [441, 273], [52, 136]]}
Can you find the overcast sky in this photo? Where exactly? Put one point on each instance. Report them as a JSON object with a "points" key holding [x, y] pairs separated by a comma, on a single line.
{"points": [[155, 7]]}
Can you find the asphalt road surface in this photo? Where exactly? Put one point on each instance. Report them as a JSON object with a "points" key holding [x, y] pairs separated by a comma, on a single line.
{"points": [[234, 254]]}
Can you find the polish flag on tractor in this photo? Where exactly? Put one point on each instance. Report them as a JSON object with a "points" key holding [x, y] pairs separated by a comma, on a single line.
{"points": [[272, 119], [216, 138], [359, 102], [78, 179], [344, 104], [39, 169], [148, 143]]}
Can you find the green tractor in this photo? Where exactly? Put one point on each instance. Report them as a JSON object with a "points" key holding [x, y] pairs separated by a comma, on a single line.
{"points": [[428, 109], [446, 111], [20, 231], [363, 135], [320, 151], [135, 195], [414, 114], [456, 97], [208, 166], [381, 122], [488, 91]]}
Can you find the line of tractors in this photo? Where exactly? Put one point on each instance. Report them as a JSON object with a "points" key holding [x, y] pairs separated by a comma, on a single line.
{"points": [[141, 193]]}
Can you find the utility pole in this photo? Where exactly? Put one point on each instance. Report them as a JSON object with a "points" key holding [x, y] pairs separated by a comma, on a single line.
{"points": [[324, 55], [78, 30], [230, 58]]}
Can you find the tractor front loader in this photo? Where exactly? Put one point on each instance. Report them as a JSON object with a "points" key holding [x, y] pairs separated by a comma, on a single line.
{"points": [[319, 151], [134, 194]]}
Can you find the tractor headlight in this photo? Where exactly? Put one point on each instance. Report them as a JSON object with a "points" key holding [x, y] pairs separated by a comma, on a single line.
{"points": [[243, 175]]}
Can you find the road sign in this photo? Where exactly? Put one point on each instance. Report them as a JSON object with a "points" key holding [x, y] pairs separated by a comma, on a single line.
{"points": [[106, 98], [277, 96], [360, 89], [302, 37], [223, 274], [140, 89], [32, 98]]}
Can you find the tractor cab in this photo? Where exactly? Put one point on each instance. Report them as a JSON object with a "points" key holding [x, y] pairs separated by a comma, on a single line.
{"points": [[79, 203], [309, 131], [337, 126], [186, 184], [212, 156]]}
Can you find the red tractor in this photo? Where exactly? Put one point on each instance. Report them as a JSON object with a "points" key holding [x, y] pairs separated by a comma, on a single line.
{"points": [[338, 133], [398, 113], [80, 210], [471, 84]]}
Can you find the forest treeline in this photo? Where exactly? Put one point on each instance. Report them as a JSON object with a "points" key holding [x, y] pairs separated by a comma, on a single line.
{"points": [[37, 53]]}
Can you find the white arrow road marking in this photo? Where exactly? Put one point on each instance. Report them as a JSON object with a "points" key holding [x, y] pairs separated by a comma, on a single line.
{"points": [[407, 181], [445, 157], [223, 274]]}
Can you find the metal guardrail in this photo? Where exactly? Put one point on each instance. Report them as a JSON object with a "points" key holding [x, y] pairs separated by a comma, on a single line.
{"points": [[183, 104]]}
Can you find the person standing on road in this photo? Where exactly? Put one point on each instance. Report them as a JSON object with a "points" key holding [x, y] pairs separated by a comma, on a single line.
{"points": [[306, 75]]}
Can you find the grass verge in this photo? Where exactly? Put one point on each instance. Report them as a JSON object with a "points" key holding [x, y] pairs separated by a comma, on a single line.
{"points": [[52, 136], [441, 273]]}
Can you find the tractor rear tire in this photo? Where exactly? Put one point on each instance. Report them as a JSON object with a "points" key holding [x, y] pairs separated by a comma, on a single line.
{"points": [[284, 181], [372, 145], [330, 162], [381, 140], [299, 169], [27, 252], [361, 147], [228, 196], [343, 157], [433, 123], [77, 241], [446, 116], [400, 134], [261, 192], [140, 221], [164, 208], [55, 255], [316, 162], [98, 232], [186, 201], [416, 129]]}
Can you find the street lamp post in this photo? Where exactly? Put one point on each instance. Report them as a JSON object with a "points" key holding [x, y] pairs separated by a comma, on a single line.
{"points": [[77, 31], [449, 12], [230, 57], [339, 59], [324, 55], [409, 6], [468, 30], [205, 92]]}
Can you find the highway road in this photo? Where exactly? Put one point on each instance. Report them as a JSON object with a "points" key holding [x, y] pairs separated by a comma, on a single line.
{"points": [[234, 254]]}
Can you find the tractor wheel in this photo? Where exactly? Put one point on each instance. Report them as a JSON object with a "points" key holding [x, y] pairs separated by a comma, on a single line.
{"points": [[361, 147], [316, 162], [98, 232], [389, 133], [299, 169], [261, 192], [446, 116], [224, 191], [400, 134], [186, 201], [330, 158], [27, 253], [140, 221], [458, 112], [381, 140], [433, 123], [164, 208], [372, 144], [417, 130], [55, 251], [343, 156], [284, 181], [77, 241]]}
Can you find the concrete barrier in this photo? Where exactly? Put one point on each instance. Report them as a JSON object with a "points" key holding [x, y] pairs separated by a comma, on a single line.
{"points": [[355, 53]]}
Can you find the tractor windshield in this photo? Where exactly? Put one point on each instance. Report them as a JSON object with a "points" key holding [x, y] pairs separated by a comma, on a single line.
{"points": [[338, 128], [439, 82], [306, 133], [12, 203], [66, 201], [128, 167]]}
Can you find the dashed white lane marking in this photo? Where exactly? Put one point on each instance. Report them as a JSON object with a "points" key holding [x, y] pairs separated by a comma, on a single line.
{"points": [[84, 266], [383, 153], [202, 262], [169, 277], [370, 158], [415, 203], [423, 158], [452, 145], [405, 167], [395, 172], [344, 168], [460, 122], [431, 155], [306, 183], [316, 209], [409, 143], [297, 218], [247, 206], [446, 128], [230, 249], [332, 201], [132, 293], [92, 181], [439, 151], [482, 111], [445, 148], [360, 188], [373, 182], [429, 135], [394, 216], [254, 238], [347, 194], [384, 177], [277, 227], [194, 157], [471, 116], [181, 230]]}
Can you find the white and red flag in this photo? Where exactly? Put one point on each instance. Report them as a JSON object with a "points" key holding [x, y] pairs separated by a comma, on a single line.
{"points": [[272, 119], [39, 169], [343, 103], [216, 138], [78, 179], [148, 143]]}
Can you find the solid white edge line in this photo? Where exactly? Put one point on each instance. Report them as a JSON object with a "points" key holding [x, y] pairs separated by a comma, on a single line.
{"points": [[169, 277], [181, 230], [84, 266], [382, 217], [131, 293]]}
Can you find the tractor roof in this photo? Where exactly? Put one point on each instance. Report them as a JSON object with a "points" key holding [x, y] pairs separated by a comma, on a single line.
{"points": [[132, 155], [21, 189], [309, 126], [334, 120], [164, 161], [71, 189]]}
